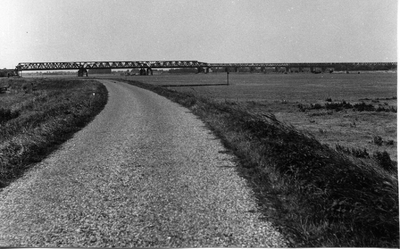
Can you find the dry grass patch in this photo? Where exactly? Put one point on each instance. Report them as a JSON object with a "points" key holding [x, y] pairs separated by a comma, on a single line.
{"points": [[358, 130]]}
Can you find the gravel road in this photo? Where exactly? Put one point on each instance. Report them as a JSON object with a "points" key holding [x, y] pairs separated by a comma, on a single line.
{"points": [[145, 173]]}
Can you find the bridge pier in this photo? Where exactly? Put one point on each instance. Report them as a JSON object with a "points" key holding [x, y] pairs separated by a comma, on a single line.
{"points": [[16, 73], [316, 70], [203, 70], [82, 71], [146, 71]]}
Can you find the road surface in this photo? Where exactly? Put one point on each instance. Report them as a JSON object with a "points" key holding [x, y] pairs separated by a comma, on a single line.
{"points": [[144, 173]]}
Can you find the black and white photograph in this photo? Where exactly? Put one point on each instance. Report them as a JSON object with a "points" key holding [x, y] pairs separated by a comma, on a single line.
{"points": [[198, 124]]}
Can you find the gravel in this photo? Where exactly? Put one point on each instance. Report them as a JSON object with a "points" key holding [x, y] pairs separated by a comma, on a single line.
{"points": [[145, 173]]}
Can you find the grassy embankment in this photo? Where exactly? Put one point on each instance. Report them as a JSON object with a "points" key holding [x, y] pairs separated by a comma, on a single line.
{"points": [[318, 196], [37, 115]]}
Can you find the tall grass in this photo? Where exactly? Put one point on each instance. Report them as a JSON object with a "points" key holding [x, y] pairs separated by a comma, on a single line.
{"points": [[38, 115], [317, 195]]}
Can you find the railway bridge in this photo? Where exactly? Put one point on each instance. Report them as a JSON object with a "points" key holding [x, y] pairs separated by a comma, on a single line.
{"points": [[146, 67]]}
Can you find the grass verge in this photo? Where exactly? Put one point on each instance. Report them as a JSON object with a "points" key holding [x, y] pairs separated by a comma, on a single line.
{"points": [[38, 115], [317, 196]]}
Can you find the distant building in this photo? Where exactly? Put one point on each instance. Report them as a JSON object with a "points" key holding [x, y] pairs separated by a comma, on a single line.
{"points": [[100, 71]]}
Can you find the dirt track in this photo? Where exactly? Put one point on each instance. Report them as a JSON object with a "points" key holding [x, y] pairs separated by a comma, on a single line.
{"points": [[145, 172]]}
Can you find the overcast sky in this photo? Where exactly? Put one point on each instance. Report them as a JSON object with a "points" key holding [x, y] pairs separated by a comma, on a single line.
{"points": [[203, 30]]}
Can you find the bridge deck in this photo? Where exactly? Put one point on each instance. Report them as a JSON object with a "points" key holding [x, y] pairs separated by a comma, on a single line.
{"points": [[36, 66]]}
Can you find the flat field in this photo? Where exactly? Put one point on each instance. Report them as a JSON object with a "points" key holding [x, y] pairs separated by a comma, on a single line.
{"points": [[284, 94]]}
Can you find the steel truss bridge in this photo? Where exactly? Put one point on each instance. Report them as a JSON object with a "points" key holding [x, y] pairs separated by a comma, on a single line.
{"points": [[147, 66]]}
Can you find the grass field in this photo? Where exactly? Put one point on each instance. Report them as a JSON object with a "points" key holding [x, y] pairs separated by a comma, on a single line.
{"points": [[37, 115], [307, 88], [281, 95]]}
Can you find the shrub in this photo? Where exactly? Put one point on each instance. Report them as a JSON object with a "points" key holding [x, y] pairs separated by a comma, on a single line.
{"points": [[389, 142], [361, 153], [383, 159], [364, 107], [356, 152], [7, 114], [338, 106], [316, 106], [378, 140], [301, 107]]}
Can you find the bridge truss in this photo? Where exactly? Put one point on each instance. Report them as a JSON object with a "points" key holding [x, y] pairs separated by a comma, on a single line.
{"points": [[149, 65], [108, 64]]}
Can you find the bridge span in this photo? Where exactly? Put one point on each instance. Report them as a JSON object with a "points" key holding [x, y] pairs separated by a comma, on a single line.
{"points": [[147, 66]]}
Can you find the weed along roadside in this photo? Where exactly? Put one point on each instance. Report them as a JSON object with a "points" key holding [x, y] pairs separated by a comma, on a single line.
{"points": [[316, 195], [38, 115]]}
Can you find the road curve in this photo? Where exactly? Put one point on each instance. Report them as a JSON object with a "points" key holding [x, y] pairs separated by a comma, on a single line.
{"points": [[144, 173]]}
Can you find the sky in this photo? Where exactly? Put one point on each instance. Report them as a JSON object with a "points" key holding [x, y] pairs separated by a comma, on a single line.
{"points": [[212, 31]]}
